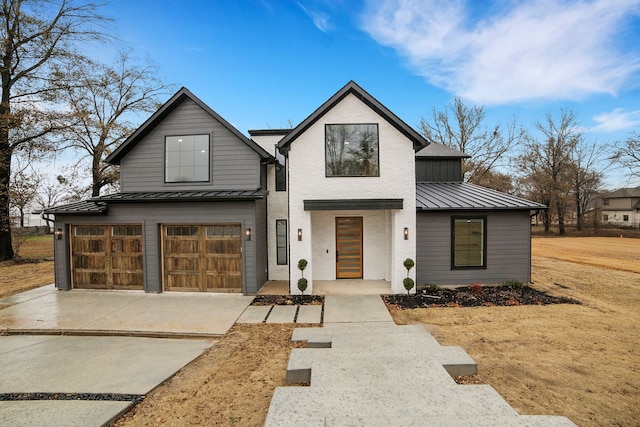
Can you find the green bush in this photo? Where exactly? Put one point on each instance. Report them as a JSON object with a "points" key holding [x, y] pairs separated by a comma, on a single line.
{"points": [[408, 284], [302, 284], [408, 264], [302, 264], [514, 283]]}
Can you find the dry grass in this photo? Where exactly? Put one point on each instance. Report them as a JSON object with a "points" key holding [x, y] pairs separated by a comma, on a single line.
{"points": [[576, 361], [28, 271]]}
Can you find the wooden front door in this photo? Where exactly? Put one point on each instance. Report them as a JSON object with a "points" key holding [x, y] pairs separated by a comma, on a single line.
{"points": [[106, 257], [203, 258], [348, 247]]}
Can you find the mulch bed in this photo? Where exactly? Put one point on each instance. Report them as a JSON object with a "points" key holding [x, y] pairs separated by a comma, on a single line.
{"points": [[475, 296], [288, 300]]}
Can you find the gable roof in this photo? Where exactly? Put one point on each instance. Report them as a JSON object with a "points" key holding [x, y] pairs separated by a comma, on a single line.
{"points": [[465, 196], [352, 88], [178, 98], [622, 193], [435, 150]]}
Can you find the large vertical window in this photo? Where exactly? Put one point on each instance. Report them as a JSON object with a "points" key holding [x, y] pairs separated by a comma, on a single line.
{"points": [[469, 242], [351, 150], [281, 241], [187, 158]]}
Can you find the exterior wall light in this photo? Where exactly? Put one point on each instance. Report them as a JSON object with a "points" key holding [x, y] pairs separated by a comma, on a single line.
{"points": [[58, 234], [406, 233], [299, 234], [247, 234]]}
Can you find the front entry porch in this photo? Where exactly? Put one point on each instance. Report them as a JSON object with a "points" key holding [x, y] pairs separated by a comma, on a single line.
{"points": [[332, 287]]}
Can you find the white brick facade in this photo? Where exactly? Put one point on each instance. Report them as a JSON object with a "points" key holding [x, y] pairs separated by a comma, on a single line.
{"points": [[384, 247]]}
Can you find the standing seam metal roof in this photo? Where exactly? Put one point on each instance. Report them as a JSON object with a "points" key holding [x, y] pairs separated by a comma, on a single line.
{"points": [[466, 196]]}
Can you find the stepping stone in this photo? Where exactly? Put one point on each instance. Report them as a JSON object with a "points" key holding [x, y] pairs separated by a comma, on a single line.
{"points": [[301, 361], [355, 308], [254, 314], [309, 314], [322, 337], [453, 421], [294, 406], [282, 314], [380, 371]]}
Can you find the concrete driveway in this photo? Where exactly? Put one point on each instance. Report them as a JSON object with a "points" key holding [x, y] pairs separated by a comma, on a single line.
{"points": [[109, 354]]}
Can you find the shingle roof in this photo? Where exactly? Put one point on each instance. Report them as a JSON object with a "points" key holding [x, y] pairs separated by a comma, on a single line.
{"points": [[622, 193], [178, 98], [466, 196], [98, 205], [354, 89], [440, 151]]}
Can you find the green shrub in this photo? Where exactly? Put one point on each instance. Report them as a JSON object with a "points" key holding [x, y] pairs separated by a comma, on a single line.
{"points": [[302, 284], [514, 283], [408, 284]]}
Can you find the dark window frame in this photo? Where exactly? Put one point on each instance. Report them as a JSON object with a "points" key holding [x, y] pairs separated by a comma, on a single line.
{"points": [[285, 246], [484, 242], [326, 151], [281, 172], [209, 162], [625, 218]]}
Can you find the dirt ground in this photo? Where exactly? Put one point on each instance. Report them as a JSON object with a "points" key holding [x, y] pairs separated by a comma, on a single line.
{"points": [[580, 361]]}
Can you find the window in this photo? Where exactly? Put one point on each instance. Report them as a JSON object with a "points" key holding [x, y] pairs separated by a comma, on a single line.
{"points": [[281, 172], [468, 242], [605, 202], [281, 241], [89, 230], [351, 150], [126, 230], [605, 217], [625, 218], [187, 158]]}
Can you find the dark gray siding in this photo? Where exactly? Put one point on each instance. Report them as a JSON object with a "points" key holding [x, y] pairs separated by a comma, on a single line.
{"points": [[234, 166], [508, 249], [152, 216], [438, 170]]}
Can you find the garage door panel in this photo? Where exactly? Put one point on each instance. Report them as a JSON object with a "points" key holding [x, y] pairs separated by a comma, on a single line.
{"points": [[211, 254], [107, 257]]}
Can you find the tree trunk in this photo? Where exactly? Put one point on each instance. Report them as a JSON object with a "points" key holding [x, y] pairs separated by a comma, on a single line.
{"points": [[6, 248], [578, 213], [560, 209], [96, 178]]}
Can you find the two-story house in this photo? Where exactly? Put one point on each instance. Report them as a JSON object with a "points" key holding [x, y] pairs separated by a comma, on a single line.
{"points": [[621, 207], [352, 189]]}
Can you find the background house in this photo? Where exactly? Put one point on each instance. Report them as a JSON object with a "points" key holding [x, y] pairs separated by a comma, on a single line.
{"points": [[621, 207]]}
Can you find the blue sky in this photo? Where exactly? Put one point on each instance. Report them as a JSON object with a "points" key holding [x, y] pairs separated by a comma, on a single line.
{"points": [[265, 64]]}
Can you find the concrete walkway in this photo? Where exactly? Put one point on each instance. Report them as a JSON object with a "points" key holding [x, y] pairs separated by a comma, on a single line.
{"points": [[363, 370], [99, 349]]}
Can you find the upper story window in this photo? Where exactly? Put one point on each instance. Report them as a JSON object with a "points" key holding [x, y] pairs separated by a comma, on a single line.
{"points": [[187, 158], [605, 202], [281, 172], [351, 150]]}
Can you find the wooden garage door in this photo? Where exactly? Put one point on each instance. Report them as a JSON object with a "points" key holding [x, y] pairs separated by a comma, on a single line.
{"points": [[106, 257], [205, 258]]}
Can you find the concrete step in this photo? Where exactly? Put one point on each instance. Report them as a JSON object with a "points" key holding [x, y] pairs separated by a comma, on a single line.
{"points": [[322, 337], [453, 359], [295, 406], [449, 421], [380, 371]]}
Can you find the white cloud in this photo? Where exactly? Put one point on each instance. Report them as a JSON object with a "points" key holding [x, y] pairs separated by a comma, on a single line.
{"points": [[617, 120], [321, 20], [542, 49]]}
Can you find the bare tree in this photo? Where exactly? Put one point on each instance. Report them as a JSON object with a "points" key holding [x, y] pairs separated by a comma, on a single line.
{"points": [[462, 127], [34, 34], [104, 101], [548, 163], [67, 187], [628, 154], [586, 177], [25, 183]]}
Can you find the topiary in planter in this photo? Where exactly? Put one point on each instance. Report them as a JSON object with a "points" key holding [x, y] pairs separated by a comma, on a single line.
{"points": [[408, 264], [302, 264], [408, 284], [302, 284]]}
